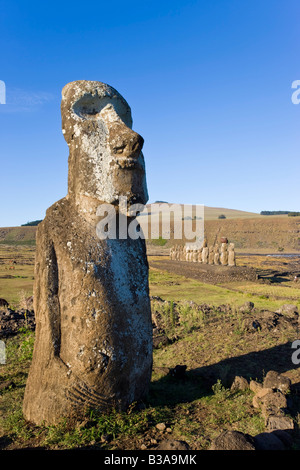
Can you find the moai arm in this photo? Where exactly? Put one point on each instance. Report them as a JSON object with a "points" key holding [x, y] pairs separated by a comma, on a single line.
{"points": [[46, 290]]}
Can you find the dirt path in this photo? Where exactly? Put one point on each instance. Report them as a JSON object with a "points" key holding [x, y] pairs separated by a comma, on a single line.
{"points": [[204, 272]]}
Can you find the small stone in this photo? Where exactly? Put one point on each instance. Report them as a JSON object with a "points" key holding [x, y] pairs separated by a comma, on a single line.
{"points": [[168, 430], [271, 379], [284, 384], [240, 383], [143, 447], [255, 386], [246, 307], [256, 402], [153, 441], [279, 423], [161, 426], [288, 310], [273, 404], [263, 392]]}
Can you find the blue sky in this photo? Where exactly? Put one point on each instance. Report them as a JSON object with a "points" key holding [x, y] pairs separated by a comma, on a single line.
{"points": [[208, 82]]}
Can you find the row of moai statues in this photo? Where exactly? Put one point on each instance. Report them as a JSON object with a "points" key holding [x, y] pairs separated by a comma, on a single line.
{"points": [[218, 254]]}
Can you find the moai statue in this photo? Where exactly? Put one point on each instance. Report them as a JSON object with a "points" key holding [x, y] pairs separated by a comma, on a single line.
{"points": [[216, 254], [231, 255], [211, 255], [93, 346], [171, 253], [200, 255], [205, 253], [224, 254], [182, 253], [195, 255]]}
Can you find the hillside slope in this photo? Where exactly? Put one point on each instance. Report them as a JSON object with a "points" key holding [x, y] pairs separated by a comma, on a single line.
{"points": [[17, 235], [253, 233]]}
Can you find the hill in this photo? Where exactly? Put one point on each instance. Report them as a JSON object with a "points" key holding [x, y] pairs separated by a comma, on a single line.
{"points": [[249, 231], [18, 235]]}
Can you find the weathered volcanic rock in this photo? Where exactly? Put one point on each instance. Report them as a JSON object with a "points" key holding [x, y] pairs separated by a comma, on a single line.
{"points": [[93, 346]]}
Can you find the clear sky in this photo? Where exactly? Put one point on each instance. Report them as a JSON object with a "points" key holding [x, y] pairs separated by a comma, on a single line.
{"points": [[208, 82]]}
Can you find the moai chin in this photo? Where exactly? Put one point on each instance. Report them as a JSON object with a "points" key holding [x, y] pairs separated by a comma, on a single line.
{"points": [[93, 346]]}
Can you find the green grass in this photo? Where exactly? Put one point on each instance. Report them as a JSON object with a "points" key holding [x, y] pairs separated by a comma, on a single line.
{"points": [[158, 241], [194, 410], [18, 242], [175, 287]]}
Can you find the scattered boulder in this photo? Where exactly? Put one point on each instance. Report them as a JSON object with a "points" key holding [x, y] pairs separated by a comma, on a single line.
{"points": [[239, 383], [246, 307], [268, 441], [160, 339], [255, 386], [12, 321], [233, 440], [276, 381], [288, 310], [282, 423], [161, 426], [273, 403], [3, 303]]}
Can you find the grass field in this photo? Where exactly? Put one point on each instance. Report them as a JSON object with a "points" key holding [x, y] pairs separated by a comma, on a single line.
{"points": [[214, 346]]}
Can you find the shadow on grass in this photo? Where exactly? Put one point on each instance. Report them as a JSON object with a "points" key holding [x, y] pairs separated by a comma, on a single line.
{"points": [[169, 391]]}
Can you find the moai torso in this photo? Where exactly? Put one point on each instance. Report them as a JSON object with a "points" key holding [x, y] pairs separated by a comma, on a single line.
{"points": [[224, 254], [195, 255], [231, 255], [205, 252], [93, 346], [211, 255], [216, 254]]}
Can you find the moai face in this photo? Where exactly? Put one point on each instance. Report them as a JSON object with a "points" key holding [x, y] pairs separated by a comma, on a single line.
{"points": [[106, 159]]}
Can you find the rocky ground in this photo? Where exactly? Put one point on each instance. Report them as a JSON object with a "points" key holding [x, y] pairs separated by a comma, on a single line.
{"points": [[11, 321], [275, 390]]}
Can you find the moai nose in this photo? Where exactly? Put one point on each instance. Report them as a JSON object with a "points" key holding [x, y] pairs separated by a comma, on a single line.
{"points": [[125, 142]]}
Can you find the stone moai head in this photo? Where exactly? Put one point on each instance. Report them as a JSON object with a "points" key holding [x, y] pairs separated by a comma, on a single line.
{"points": [[106, 159]]}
